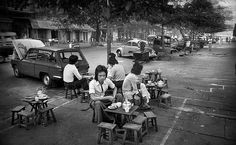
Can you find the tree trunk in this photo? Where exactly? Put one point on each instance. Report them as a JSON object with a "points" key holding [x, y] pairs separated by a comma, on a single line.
{"points": [[108, 39], [162, 36], [97, 31]]}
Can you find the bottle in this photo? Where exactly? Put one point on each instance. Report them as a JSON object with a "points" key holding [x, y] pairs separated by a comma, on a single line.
{"points": [[36, 98]]}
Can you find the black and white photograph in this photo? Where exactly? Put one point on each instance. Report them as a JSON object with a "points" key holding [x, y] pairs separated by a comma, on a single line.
{"points": [[117, 72]]}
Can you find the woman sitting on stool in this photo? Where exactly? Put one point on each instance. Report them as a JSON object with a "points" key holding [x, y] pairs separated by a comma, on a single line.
{"points": [[70, 71]]}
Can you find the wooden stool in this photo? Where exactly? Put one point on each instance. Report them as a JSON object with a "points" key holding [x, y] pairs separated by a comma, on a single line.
{"points": [[70, 89], [44, 114], [26, 118], [85, 96], [136, 130], [104, 127], [165, 100], [151, 117], [141, 120], [14, 112]]}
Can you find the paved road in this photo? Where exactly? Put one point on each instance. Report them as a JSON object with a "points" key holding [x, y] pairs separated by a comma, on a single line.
{"points": [[202, 85]]}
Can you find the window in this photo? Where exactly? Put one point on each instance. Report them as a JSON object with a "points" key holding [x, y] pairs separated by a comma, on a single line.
{"points": [[128, 43], [32, 54], [65, 56], [44, 55], [135, 44]]}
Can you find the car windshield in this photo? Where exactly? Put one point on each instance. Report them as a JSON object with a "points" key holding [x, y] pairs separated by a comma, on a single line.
{"points": [[65, 56]]}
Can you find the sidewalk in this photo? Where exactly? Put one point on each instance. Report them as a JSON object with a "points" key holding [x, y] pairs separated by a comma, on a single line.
{"points": [[74, 126]]}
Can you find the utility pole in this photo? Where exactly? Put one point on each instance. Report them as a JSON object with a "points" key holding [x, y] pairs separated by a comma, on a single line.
{"points": [[162, 25], [108, 30]]}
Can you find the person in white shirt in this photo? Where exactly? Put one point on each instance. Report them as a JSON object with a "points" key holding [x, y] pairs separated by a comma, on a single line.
{"points": [[130, 86], [70, 71], [97, 88], [116, 72]]}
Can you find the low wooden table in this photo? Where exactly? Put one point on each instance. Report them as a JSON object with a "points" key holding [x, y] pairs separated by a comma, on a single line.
{"points": [[125, 116], [35, 104]]}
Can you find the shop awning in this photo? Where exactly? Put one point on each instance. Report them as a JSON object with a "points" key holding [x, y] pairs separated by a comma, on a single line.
{"points": [[43, 24], [84, 27]]}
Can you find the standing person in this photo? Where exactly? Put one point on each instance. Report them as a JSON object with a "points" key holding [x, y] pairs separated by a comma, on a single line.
{"points": [[116, 72], [130, 85], [70, 71], [156, 45], [97, 89], [210, 44]]}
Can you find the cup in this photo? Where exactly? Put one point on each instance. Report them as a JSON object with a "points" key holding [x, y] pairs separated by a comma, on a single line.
{"points": [[36, 98], [126, 109]]}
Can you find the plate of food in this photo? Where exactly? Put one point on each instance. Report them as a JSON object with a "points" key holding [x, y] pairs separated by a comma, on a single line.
{"points": [[112, 107]]}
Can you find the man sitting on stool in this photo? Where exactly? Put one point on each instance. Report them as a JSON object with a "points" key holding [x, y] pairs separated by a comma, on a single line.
{"points": [[70, 71]]}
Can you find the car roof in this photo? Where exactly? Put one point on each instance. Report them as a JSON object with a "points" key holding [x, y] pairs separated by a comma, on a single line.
{"points": [[134, 40], [55, 48]]}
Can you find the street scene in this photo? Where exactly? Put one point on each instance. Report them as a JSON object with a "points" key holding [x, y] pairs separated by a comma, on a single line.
{"points": [[137, 82]]}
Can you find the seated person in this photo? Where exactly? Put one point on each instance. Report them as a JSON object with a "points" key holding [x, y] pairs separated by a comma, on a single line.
{"points": [[97, 89], [130, 87], [116, 72], [70, 71]]}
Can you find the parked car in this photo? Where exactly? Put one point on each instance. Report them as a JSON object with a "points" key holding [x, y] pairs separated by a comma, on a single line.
{"points": [[32, 58], [133, 46], [6, 46]]}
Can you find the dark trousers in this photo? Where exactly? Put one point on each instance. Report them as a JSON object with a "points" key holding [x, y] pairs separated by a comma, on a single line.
{"points": [[83, 83]]}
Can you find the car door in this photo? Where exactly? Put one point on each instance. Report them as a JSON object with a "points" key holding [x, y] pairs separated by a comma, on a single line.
{"points": [[132, 48], [135, 47], [126, 48], [42, 62], [27, 63]]}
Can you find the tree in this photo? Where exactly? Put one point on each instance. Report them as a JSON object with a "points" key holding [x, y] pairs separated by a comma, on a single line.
{"points": [[200, 16], [112, 10]]}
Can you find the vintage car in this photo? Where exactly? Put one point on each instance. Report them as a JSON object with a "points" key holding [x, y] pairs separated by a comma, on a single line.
{"points": [[6, 46], [133, 46], [32, 58]]}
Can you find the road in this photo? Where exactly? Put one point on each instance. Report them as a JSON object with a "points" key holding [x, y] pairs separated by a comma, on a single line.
{"points": [[202, 86]]}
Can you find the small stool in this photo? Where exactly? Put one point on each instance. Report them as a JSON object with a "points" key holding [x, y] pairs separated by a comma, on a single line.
{"points": [[26, 118], [165, 100], [44, 114], [85, 96], [15, 111], [136, 130], [104, 127], [70, 89], [141, 120], [151, 117]]}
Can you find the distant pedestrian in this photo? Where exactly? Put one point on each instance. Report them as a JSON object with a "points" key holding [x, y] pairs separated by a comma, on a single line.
{"points": [[210, 44]]}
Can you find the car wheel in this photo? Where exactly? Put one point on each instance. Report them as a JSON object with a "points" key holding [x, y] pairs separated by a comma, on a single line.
{"points": [[118, 53], [16, 72], [46, 80]]}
